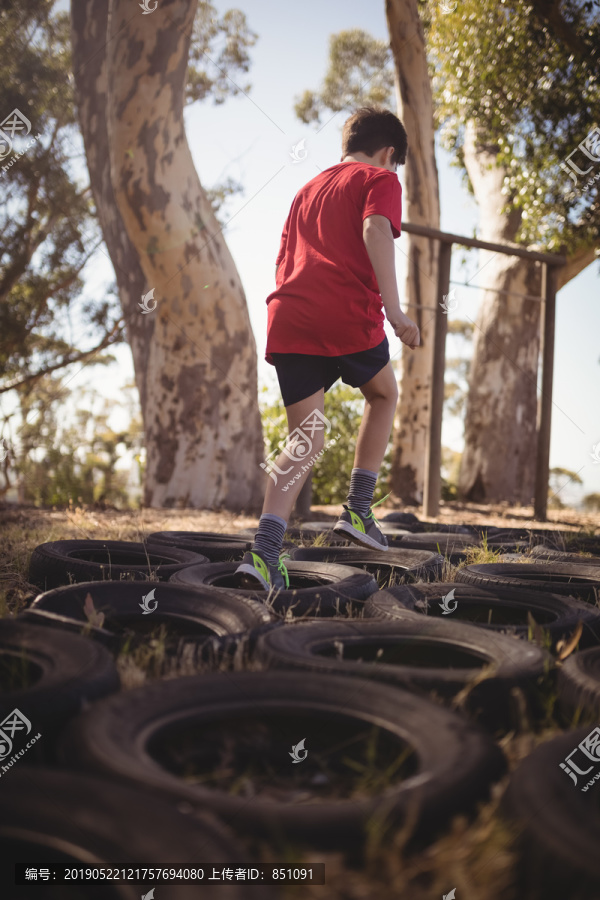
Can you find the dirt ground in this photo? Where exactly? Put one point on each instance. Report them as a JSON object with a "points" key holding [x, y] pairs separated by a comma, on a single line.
{"points": [[477, 856], [127, 525]]}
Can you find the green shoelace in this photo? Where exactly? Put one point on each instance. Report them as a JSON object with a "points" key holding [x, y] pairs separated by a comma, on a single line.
{"points": [[281, 568], [370, 513]]}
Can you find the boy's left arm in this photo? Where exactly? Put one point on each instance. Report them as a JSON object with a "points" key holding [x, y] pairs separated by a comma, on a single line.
{"points": [[379, 243]]}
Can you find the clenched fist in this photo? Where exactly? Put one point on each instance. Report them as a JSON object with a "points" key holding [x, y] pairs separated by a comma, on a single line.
{"points": [[407, 331]]}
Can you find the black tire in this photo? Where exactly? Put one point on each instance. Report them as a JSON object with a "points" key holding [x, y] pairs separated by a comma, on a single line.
{"points": [[573, 542], [567, 541], [445, 528], [452, 540], [578, 684], [450, 543], [389, 528], [215, 546], [50, 677], [516, 535], [454, 557], [433, 527], [483, 528], [397, 564], [556, 825], [512, 557], [315, 589], [63, 562], [318, 526], [585, 544], [541, 552], [300, 535], [425, 656], [44, 619], [401, 518], [59, 818], [554, 578], [140, 737], [187, 613], [503, 609]]}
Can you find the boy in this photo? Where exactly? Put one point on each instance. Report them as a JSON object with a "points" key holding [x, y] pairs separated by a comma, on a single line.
{"points": [[335, 274]]}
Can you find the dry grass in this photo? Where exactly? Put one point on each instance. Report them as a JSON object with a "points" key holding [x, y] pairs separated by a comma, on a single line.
{"points": [[24, 529], [476, 857]]}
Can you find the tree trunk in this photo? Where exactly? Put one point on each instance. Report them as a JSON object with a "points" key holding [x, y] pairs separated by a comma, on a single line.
{"points": [[498, 462], [203, 431], [420, 206], [89, 20]]}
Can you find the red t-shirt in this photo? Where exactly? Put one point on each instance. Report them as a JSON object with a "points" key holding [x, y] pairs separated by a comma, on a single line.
{"points": [[327, 301]]}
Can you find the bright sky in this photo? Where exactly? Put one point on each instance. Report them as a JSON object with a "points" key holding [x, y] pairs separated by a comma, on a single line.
{"points": [[250, 139]]}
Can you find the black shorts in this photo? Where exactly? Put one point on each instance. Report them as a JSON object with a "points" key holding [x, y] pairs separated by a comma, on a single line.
{"points": [[301, 374]]}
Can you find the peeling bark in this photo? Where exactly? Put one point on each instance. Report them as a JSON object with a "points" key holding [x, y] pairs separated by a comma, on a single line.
{"points": [[420, 206], [89, 19], [498, 462], [203, 431], [500, 426]]}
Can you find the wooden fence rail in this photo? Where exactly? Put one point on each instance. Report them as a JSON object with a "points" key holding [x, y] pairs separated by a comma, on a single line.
{"points": [[433, 453]]}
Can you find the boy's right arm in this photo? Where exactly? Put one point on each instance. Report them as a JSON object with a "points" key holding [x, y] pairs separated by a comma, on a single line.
{"points": [[379, 243]]}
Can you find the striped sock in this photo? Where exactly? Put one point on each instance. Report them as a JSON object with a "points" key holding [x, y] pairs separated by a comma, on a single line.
{"points": [[362, 487], [268, 539]]}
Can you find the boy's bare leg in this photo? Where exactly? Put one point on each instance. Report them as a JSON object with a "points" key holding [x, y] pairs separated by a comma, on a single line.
{"points": [[261, 564], [357, 523], [279, 502], [381, 399]]}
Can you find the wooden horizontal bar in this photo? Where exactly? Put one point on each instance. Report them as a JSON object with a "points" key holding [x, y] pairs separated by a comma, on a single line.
{"points": [[552, 259]]}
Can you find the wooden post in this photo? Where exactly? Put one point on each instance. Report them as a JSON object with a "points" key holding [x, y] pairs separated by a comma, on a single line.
{"points": [[433, 456], [544, 410], [433, 450], [304, 499]]}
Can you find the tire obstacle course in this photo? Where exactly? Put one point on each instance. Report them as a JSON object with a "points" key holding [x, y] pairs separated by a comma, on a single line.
{"points": [[368, 650]]}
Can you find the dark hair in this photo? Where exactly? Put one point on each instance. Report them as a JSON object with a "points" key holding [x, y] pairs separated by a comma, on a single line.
{"points": [[371, 129]]}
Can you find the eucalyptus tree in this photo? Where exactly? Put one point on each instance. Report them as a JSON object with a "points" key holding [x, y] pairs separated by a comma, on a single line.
{"points": [[512, 88], [518, 99], [193, 347]]}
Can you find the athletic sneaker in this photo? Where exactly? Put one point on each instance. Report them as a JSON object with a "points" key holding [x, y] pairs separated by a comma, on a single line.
{"points": [[257, 572], [363, 530]]}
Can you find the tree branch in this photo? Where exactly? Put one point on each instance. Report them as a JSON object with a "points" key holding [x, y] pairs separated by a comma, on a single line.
{"points": [[61, 286], [576, 263], [113, 337], [24, 235], [549, 12]]}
